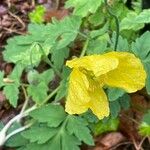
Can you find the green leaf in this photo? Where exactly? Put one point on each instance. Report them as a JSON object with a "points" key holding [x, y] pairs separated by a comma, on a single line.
{"points": [[99, 32], [64, 31], [62, 92], [38, 92], [125, 101], [98, 46], [109, 125], [27, 54], [37, 15], [83, 7], [47, 76], [114, 93], [130, 22], [51, 114], [76, 125], [114, 108], [11, 92], [72, 144], [58, 57], [144, 16], [144, 129], [26, 49], [97, 18], [146, 118], [141, 48], [44, 134], [1, 79], [35, 146]]}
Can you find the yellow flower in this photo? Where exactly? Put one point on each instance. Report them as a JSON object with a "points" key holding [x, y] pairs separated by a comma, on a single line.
{"points": [[91, 73]]}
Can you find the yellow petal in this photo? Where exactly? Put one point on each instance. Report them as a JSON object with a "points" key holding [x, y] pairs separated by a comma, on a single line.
{"points": [[98, 64], [129, 75], [78, 95], [98, 103]]}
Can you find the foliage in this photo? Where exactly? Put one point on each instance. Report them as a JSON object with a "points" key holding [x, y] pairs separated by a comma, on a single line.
{"points": [[41, 79], [37, 16], [144, 128]]}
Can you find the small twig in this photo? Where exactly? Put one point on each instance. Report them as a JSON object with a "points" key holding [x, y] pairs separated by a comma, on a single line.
{"points": [[120, 144], [57, 4], [13, 31], [140, 145], [8, 3], [19, 19]]}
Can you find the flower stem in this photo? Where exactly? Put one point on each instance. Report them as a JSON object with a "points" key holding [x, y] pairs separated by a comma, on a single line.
{"points": [[85, 47]]}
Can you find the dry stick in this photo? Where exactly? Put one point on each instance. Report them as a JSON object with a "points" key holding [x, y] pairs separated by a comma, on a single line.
{"points": [[19, 19]]}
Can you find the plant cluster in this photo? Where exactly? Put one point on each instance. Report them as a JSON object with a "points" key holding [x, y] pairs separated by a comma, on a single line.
{"points": [[101, 28]]}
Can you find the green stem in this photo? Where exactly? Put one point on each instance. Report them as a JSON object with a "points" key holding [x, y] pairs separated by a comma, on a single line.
{"points": [[82, 34], [117, 24], [50, 95], [85, 47], [47, 60]]}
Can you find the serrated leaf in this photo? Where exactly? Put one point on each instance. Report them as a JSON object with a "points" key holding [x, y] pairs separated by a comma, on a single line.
{"points": [[37, 16], [11, 92], [141, 48], [65, 31], [58, 57], [83, 7], [44, 134], [26, 49], [130, 22], [47, 76], [76, 125], [98, 46], [114, 108], [144, 129], [27, 54], [109, 125], [72, 144], [114, 93], [51, 114], [38, 92], [144, 16], [125, 101]]}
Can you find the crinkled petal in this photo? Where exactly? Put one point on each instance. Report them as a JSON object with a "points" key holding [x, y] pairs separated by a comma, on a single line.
{"points": [[98, 64], [98, 103], [129, 75], [78, 95]]}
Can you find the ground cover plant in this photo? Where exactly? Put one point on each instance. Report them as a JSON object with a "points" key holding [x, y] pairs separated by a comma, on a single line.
{"points": [[76, 77]]}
